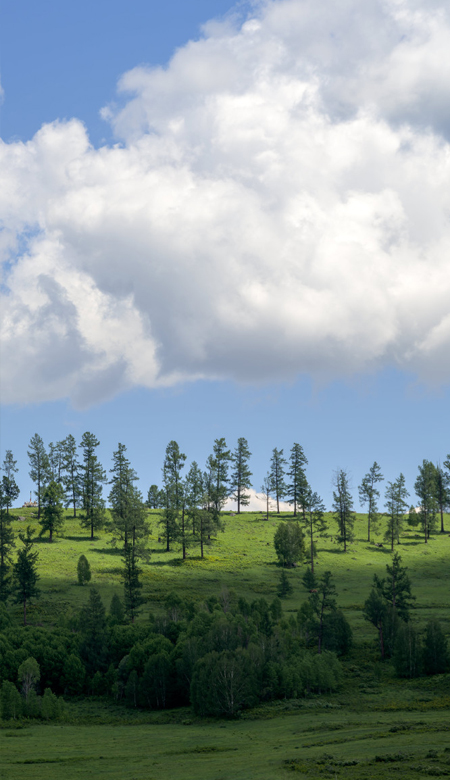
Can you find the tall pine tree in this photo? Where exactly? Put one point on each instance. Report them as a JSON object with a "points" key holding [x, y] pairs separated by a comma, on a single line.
{"points": [[39, 466], [6, 546], [369, 493], [343, 507], [25, 572], [91, 481], [240, 474], [277, 474], [297, 490], [396, 506]]}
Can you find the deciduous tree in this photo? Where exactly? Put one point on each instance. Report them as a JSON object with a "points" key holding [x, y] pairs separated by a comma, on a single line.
{"points": [[289, 543]]}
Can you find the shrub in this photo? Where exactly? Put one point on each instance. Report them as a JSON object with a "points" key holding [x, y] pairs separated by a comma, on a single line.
{"points": [[83, 570]]}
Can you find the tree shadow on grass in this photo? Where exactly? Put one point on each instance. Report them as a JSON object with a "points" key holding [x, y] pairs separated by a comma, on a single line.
{"points": [[81, 538], [107, 550]]}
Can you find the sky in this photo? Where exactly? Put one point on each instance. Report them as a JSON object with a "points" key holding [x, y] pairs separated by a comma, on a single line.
{"points": [[227, 220]]}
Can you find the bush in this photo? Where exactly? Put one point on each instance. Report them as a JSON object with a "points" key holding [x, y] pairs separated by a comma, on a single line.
{"points": [[83, 570], [289, 544]]}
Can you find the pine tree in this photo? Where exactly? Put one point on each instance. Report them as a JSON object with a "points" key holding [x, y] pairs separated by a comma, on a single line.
{"points": [[173, 491], [240, 475], [39, 466], [94, 642], [284, 587], [314, 514], [396, 506], [322, 601], [71, 473], [435, 650], [217, 481], [297, 489], [9, 485], [129, 516], [25, 576], [55, 461], [92, 479], [396, 588], [154, 497], [368, 494], [277, 473], [131, 582], [425, 487], [52, 513], [343, 507], [6, 546]]}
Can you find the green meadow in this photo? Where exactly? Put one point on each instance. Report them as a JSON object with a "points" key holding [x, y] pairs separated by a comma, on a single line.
{"points": [[375, 724]]}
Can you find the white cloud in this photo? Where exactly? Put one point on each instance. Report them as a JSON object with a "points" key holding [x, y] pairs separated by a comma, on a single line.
{"points": [[277, 203]]}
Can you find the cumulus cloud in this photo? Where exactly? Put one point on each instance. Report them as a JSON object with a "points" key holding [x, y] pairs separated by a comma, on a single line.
{"points": [[277, 203]]}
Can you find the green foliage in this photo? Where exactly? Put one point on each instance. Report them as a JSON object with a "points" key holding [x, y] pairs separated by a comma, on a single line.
{"points": [[396, 587], [93, 648], [52, 513], [11, 701], [426, 489], [131, 583], [435, 649], [407, 652], [289, 543], [6, 546], [116, 610], [284, 586], [240, 474], [396, 505], [368, 494], [25, 576], [73, 675], [297, 489], [92, 477], [343, 508], [314, 520], [29, 675], [224, 683], [83, 570], [51, 707], [39, 466], [277, 482]]}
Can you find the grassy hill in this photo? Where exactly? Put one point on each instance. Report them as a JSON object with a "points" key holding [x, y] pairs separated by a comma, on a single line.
{"points": [[374, 725]]}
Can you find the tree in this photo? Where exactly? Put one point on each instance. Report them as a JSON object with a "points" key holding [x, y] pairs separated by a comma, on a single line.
{"points": [[116, 610], [71, 473], [343, 507], [297, 489], [374, 611], [154, 497], [129, 516], [55, 461], [173, 490], [131, 582], [442, 493], [11, 701], [29, 675], [425, 487], [396, 587], [368, 494], [407, 652], [25, 576], [322, 601], [216, 482], [284, 587], [6, 546], [435, 649], [10, 488], [92, 479], [314, 510], [94, 643], [52, 512], [83, 570], [39, 466], [266, 490], [277, 483], [240, 474], [289, 543], [396, 506]]}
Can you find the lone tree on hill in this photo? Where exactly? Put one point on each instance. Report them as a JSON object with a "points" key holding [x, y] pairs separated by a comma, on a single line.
{"points": [[396, 506], [368, 494], [25, 572], [277, 472], [343, 508], [240, 475], [297, 489]]}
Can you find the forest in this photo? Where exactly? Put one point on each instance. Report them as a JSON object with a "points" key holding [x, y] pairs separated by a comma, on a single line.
{"points": [[170, 603]]}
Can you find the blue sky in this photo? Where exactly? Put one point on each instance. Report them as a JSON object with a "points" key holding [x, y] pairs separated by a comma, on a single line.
{"points": [[238, 229]]}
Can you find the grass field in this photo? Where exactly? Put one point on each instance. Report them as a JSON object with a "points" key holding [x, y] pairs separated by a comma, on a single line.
{"points": [[373, 717]]}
